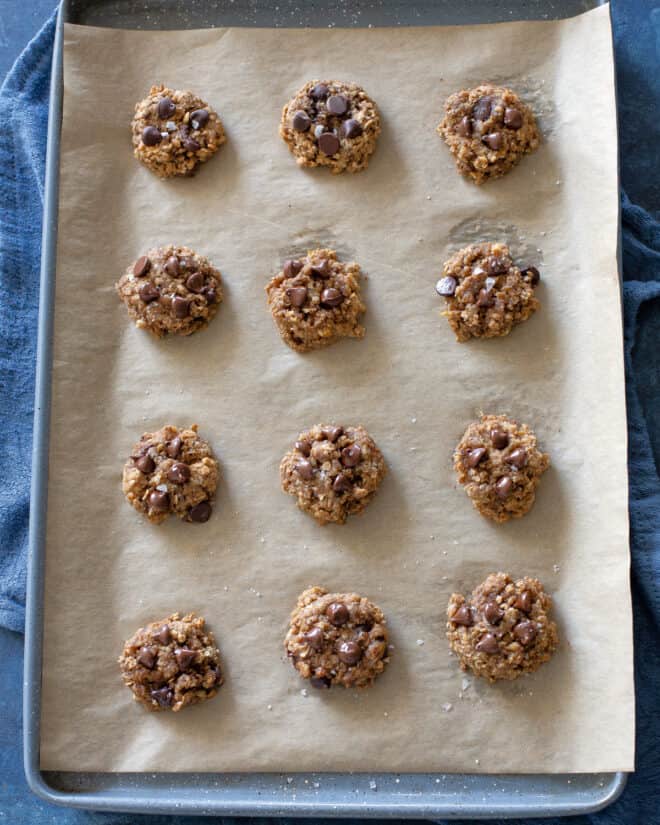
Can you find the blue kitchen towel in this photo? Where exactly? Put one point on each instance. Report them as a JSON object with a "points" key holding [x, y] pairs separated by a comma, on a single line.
{"points": [[23, 104]]}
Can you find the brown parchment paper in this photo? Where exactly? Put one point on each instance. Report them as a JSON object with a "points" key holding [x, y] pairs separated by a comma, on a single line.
{"points": [[408, 382]]}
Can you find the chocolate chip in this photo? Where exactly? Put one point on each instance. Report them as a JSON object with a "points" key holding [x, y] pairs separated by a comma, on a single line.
{"points": [[518, 458], [172, 266], [513, 118], [503, 487], [195, 282], [499, 438], [482, 108], [147, 657], [199, 118], [490, 283], [178, 473], [180, 307], [487, 644], [148, 292], [337, 105], [332, 433], [462, 616], [475, 456], [166, 108], [297, 295], [292, 268], [497, 264], [319, 91], [321, 269], [314, 638], [145, 464], [446, 286], [174, 447], [159, 501], [303, 447], [351, 128], [217, 675], [531, 274], [331, 297], [493, 140], [464, 127], [349, 653], [524, 601], [301, 121], [304, 470], [342, 484], [151, 136], [184, 657], [337, 613], [318, 130], [351, 455], [320, 682], [210, 294], [492, 612], [190, 144], [486, 299], [141, 267], [163, 635], [164, 696], [525, 632], [200, 513], [328, 143]]}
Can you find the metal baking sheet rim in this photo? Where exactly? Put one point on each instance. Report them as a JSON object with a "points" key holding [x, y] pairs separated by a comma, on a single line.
{"points": [[426, 796]]}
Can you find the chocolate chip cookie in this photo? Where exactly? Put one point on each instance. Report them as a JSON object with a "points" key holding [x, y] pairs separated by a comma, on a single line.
{"points": [[337, 639], [316, 300], [488, 130], [332, 471], [486, 293], [173, 132], [172, 663], [171, 291], [171, 471], [500, 465], [331, 123], [502, 630]]}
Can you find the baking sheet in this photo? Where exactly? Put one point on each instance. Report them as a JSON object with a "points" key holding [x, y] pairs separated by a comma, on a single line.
{"points": [[412, 386]]}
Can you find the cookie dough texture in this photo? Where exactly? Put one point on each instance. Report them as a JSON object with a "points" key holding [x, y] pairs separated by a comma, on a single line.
{"points": [[174, 131], [488, 129], [171, 471], [337, 639], [502, 630], [316, 300], [172, 663], [171, 290], [486, 293], [500, 465], [333, 124], [333, 472]]}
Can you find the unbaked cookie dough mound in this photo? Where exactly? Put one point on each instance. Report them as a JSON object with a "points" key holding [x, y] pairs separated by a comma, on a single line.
{"points": [[316, 300], [486, 293], [502, 630], [171, 471], [337, 639], [171, 291], [172, 663], [488, 130], [333, 472], [500, 465], [175, 131], [333, 124]]}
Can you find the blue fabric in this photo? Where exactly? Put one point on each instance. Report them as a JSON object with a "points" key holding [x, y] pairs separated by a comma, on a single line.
{"points": [[23, 103]]}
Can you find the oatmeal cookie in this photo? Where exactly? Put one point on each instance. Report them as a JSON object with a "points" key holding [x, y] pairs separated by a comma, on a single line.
{"points": [[316, 300], [488, 130], [486, 293], [171, 471], [171, 291], [172, 663], [333, 472], [333, 124], [503, 629], [174, 131], [500, 465], [337, 639]]}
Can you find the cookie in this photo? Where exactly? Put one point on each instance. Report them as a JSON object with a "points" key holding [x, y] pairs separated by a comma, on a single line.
{"points": [[486, 293], [171, 471], [488, 130], [173, 132], [172, 663], [316, 300], [337, 639], [333, 124], [502, 630], [333, 472], [171, 291], [500, 465]]}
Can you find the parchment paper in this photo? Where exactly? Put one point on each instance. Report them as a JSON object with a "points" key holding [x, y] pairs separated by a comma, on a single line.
{"points": [[408, 382]]}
